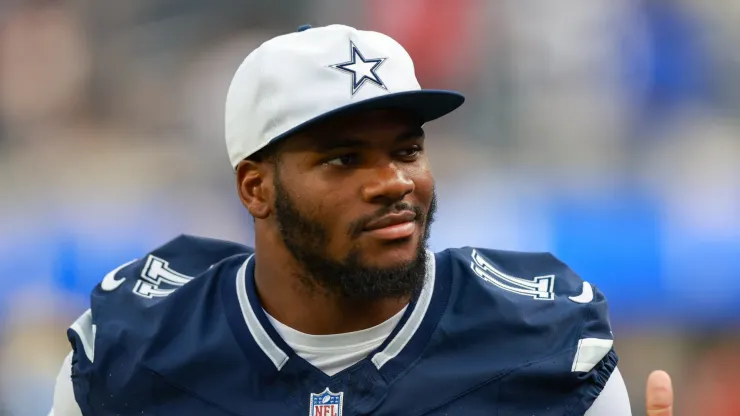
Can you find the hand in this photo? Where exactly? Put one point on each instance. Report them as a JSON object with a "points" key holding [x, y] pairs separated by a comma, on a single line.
{"points": [[659, 394]]}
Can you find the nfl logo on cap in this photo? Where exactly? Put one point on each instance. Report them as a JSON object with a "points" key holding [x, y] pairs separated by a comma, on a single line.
{"points": [[326, 403]]}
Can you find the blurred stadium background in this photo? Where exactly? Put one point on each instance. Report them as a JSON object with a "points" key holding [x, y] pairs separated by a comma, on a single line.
{"points": [[605, 131]]}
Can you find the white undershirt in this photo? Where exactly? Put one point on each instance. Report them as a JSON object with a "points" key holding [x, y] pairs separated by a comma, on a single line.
{"points": [[333, 353]]}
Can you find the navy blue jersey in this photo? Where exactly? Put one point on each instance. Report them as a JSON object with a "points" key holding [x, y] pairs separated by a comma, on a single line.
{"points": [[182, 332]]}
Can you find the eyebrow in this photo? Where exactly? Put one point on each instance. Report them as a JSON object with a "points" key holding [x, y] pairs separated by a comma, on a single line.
{"points": [[336, 143]]}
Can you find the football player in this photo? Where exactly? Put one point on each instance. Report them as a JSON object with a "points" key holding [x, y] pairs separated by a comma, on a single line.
{"points": [[340, 309]]}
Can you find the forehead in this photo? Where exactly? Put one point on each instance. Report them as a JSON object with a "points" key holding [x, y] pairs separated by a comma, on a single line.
{"points": [[375, 124]]}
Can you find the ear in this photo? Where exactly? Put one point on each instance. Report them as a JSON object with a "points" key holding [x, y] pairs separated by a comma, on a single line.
{"points": [[254, 184]]}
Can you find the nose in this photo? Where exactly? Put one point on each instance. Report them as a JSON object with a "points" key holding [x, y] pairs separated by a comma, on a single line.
{"points": [[387, 185]]}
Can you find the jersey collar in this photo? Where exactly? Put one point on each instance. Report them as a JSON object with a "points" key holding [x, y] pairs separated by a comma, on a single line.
{"points": [[258, 338]]}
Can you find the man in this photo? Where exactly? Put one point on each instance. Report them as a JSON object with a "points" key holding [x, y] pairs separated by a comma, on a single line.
{"points": [[340, 309]]}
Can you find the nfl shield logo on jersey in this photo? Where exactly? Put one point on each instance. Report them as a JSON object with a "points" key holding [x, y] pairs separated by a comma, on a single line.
{"points": [[326, 403]]}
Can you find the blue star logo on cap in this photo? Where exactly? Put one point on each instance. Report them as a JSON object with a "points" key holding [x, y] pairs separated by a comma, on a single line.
{"points": [[363, 70]]}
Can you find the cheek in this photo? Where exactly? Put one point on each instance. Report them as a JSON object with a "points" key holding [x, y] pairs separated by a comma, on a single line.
{"points": [[423, 183], [332, 210], [337, 209]]}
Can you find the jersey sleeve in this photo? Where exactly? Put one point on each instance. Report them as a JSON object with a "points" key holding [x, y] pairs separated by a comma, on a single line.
{"points": [[557, 326], [111, 301], [131, 306], [594, 358]]}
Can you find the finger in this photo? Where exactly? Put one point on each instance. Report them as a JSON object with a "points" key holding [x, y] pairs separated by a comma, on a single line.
{"points": [[659, 394]]}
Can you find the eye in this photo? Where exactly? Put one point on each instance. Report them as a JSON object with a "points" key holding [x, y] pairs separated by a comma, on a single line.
{"points": [[410, 153], [344, 160]]}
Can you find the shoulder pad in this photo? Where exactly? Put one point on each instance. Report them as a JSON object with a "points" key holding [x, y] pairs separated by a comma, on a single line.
{"points": [[141, 306], [129, 295], [538, 290]]}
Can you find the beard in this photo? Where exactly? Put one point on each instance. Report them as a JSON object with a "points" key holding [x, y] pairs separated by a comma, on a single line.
{"points": [[349, 278]]}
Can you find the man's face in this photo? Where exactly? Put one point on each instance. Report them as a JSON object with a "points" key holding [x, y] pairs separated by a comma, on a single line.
{"points": [[354, 199]]}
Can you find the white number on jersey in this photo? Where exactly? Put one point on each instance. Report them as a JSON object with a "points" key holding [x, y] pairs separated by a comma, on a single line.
{"points": [[540, 288], [156, 273]]}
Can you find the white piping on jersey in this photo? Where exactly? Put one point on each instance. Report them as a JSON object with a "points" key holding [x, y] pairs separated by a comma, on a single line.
{"points": [[589, 353], [334, 353], [85, 330], [279, 357], [412, 324], [273, 352]]}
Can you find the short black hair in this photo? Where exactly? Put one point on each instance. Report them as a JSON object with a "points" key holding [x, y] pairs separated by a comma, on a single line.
{"points": [[270, 153]]}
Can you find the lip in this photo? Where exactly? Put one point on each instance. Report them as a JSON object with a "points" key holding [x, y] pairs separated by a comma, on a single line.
{"points": [[394, 232], [390, 220]]}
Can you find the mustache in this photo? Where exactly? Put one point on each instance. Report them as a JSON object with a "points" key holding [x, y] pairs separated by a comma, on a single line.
{"points": [[359, 224]]}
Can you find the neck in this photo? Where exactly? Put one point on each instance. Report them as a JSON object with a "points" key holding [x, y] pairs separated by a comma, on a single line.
{"points": [[311, 310]]}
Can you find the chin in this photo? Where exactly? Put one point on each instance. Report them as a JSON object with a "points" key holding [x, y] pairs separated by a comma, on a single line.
{"points": [[391, 254]]}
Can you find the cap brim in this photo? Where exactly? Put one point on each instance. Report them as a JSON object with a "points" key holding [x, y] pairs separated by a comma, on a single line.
{"points": [[427, 105]]}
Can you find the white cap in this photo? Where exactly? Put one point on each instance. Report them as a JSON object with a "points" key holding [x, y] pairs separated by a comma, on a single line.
{"points": [[299, 78]]}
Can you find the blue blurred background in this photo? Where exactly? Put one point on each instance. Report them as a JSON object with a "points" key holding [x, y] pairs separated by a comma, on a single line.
{"points": [[604, 131]]}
